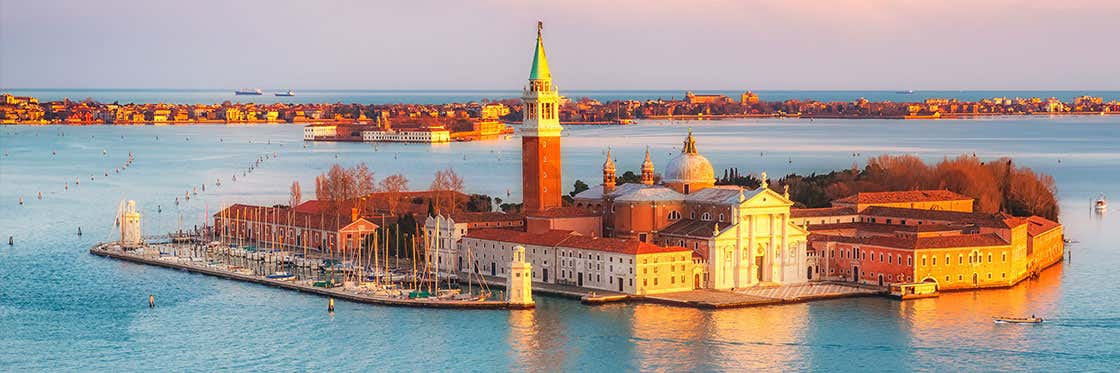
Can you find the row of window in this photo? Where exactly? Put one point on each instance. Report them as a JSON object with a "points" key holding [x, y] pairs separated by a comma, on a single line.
{"points": [[973, 258]]}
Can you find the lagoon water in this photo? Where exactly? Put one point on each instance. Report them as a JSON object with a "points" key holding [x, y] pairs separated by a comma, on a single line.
{"points": [[63, 309]]}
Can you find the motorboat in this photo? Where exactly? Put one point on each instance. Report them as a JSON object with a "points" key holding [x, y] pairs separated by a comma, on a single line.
{"points": [[1101, 205], [1017, 320]]}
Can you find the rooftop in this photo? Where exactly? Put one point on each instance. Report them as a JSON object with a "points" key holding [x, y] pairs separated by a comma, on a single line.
{"points": [[903, 196]]}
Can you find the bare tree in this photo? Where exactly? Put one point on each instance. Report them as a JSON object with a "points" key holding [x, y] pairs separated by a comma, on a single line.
{"points": [[446, 186], [392, 186], [296, 194]]}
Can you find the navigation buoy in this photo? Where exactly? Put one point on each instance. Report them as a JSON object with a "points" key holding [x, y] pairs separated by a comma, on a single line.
{"points": [[151, 301], [330, 306], [21, 200]]}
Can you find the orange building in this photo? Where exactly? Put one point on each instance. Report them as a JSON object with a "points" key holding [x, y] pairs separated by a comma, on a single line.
{"points": [[952, 249]]}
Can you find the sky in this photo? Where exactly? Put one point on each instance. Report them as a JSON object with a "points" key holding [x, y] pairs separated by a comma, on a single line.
{"points": [[591, 44]]}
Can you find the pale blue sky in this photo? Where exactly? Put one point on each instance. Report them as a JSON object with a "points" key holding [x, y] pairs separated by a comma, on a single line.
{"points": [[625, 44]]}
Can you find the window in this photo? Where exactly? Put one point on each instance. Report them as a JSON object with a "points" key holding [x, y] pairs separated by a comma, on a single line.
{"points": [[960, 259], [721, 217], [674, 215], [1005, 257], [923, 260], [934, 260], [989, 257], [706, 216], [655, 281], [909, 260]]}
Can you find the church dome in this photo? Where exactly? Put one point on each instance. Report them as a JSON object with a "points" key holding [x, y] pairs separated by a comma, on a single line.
{"points": [[689, 167]]}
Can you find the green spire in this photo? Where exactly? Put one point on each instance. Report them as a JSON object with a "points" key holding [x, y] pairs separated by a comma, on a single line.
{"points": [[540, 62]]}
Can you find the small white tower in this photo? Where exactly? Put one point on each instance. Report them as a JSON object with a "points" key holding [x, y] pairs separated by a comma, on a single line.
{"points": [[130, 224], [519, 287]]}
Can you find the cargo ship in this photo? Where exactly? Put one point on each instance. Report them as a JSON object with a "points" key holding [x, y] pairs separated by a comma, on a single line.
{"points": [[289, 93], [246, 91]]}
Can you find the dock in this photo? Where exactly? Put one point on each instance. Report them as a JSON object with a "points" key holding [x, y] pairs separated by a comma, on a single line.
{"points": [[114, 252], [763, 295]]}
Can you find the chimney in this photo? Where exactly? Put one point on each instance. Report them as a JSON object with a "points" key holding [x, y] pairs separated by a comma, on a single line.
{"points": [[353, 214]]}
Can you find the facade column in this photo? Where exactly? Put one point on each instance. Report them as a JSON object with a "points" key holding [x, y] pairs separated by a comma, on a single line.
{"points": [[785, 250], [752, 267], [737, 258], [772, 254]]}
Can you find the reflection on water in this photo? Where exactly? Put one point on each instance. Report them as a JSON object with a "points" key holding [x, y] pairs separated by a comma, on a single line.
{"points": [[63, 309]]}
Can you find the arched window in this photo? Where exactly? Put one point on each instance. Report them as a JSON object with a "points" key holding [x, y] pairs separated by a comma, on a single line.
{"points": [[706, 216], [721, 217], [674, 215]]}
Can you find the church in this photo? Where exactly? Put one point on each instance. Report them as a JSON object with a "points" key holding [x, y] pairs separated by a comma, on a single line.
{"points": [[681, 234]]}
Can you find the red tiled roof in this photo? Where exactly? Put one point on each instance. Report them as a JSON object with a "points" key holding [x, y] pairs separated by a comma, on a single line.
{"points": [[286, 216], [618, 245], [903, 196], [480, 217], [566, 238], [978, 218], [1039, 225], [549, 238], [562, 212], [964, 240], [913, 242], [691, 228], [818, 212]]}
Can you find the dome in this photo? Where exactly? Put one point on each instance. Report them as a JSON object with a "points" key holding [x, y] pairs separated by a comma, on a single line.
{"points": [[689, 167]]}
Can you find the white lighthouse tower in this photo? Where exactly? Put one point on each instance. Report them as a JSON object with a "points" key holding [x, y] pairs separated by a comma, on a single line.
{"points": [[129, 220], [519, 287]]}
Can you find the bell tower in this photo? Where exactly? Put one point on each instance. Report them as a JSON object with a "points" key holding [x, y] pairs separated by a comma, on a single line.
{"points": [[608, 174], [540, 136]]}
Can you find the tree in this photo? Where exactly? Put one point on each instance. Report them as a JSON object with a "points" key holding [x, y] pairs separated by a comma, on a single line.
{"points": [[296, 194], [339, 184], [446, 186], [393, 185], [578, 187]]}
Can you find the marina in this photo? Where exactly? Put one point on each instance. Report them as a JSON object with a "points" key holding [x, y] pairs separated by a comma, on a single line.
{"points": [[360, 293]]}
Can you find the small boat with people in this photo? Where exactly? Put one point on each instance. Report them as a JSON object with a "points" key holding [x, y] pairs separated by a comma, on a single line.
{"points": [[1016, 320], [1101, 205]]}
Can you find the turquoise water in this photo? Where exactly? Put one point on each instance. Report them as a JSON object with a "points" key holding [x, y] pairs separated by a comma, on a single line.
{"points": [[63, 309], [213, 96]]}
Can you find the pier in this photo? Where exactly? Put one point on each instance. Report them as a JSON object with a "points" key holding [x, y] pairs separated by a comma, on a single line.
{"points": [[111, 250]]}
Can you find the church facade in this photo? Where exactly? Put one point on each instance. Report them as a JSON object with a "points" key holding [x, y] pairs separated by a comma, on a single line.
{"points": [[741, 237]]}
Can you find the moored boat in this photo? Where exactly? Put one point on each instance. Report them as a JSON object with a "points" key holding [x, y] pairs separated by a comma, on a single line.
{"points": [[1017, 320]]}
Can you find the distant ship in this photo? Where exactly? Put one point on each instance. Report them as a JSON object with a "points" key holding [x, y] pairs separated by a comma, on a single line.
{"points": [[1101, 205], [289, 93], [246, 91], [906, 92]]}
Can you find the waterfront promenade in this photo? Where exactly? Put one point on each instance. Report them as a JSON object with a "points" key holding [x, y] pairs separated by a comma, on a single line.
{"points": [[110, 250]]}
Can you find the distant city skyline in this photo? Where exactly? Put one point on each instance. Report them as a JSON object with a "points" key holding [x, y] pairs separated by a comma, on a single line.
{"points": [[621, 45]]}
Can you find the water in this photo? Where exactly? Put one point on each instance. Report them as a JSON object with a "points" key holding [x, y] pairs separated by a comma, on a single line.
{"points": [[214, 96], [63, 309]]}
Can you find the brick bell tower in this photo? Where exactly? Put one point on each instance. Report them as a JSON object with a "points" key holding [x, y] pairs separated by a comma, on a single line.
{"points": [[540, 136]]}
